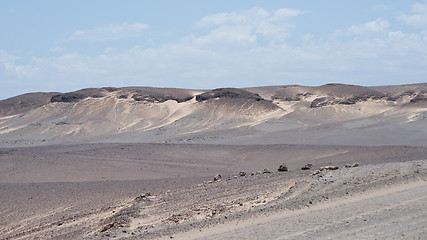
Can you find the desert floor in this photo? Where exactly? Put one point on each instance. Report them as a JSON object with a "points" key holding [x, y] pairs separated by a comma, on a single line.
{"points": [[150, 191]]}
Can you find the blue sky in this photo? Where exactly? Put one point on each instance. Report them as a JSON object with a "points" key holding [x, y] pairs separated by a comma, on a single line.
{"points": [[69, 45]]}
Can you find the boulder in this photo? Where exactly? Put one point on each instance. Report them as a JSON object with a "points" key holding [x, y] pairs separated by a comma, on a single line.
{"points": [[282, 168], [217, 177], [266, 171], [242, 173], [307, 166]]}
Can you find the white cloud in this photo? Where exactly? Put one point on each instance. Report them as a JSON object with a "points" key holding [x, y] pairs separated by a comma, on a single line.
{"points": [[378, 27], [285, 13], [251, 16], [248, 17], [5, 57], [370, 27], [225, 36], [253, 23], [11, 68], [221, 19], [424, 35], [396, 35], [418, 16], [109, 32], [419, 8], [56, 49]]}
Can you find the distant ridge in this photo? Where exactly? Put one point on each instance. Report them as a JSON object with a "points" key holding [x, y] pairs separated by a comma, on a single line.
{"points": [[273, 114], [25, 102]]}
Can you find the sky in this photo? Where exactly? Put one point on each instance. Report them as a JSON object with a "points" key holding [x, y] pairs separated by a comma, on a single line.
{"points": [[62, 46]]}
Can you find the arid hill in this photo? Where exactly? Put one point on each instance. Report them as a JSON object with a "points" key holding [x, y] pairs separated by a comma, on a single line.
{"points": [[276, 114]]}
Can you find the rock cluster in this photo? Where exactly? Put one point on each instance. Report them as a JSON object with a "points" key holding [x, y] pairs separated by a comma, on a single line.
{"points": [[351, 165], [325, 168], [329, 168], [333, 168]]}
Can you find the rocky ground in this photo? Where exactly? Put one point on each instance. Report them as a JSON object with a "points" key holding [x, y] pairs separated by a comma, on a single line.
{"points": [[364, 202], [117, 191]]}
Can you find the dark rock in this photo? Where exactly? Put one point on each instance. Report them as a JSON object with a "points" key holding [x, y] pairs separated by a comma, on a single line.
{"points": [[307, 94], [242, 173], [78, 95], [228, 93], [320, 102], [287, 98], [348, 101], [292, 99], [97, 96], [217, 177], [110, 89], [282, 168], [143, 197], [351, 165], [329, 168], [67, 97], [266, 171], [419, 98], [151, 97], [307, 166]]}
